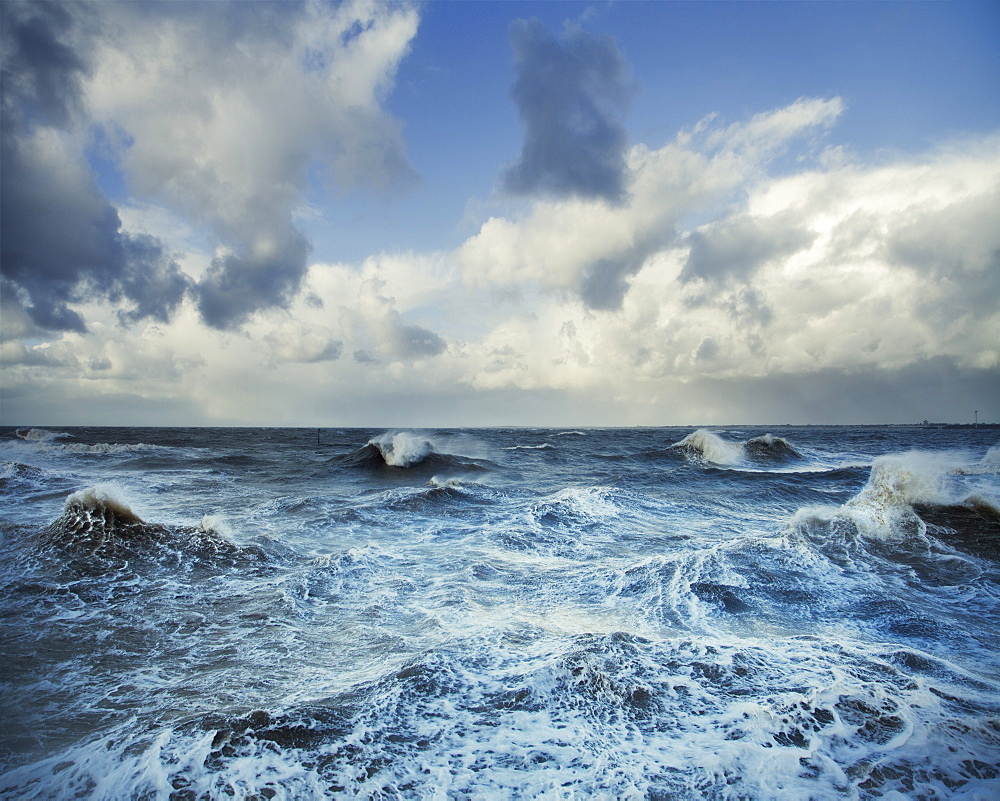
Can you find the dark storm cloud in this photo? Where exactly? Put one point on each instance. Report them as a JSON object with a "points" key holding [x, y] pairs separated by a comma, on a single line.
{"points": [[241, 283], [150, 279], [569, 93], [603, 283], [415, 342], [171, 88], [40, 73], [738, 246], [61, 239]]}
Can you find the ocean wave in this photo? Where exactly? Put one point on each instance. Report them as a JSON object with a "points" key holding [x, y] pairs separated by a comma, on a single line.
{"points": [[569, 524], [404, 450], [52, 446], [770, 448], [112, 448], [898, 484], [912, 520], [17, 474], [435, 495], [705, 446], [973, 526], [576, 506], [98, 526], [39, 434], [611, 715], [990, 463]]}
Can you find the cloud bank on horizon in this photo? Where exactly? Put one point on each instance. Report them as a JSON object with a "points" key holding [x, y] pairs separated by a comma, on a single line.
{"points": [[167, 170]]}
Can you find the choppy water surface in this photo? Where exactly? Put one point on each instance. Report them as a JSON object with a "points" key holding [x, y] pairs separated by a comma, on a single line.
{"points": [[656, 613]]}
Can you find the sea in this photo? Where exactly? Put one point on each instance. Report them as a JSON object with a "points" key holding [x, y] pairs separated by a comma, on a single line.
{"points": [[505, 613]]}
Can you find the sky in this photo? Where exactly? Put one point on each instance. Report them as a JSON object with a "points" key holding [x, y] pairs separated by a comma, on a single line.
{"points": [[446, 214]]}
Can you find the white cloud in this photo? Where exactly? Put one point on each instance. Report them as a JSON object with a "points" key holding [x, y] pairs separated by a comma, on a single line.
{"points": [[221, 116], [591, 248], [842, 268], [835, 279]]}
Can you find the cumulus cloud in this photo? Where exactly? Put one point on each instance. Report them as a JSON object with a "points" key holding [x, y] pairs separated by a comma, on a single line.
{"points": [[296, 342], [738, 245], [718, 290], [834, 269], [376, 324], [220, 112], [592, 249], [62, 240], [570, 92]]}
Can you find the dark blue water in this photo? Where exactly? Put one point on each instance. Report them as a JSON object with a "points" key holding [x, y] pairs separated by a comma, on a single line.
{"points": [[506, 613]]}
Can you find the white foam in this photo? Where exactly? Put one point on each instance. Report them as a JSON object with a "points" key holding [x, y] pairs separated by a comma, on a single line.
{"points": [[107, 496], [588, 502], [445, 483], [403, 448], [907, 478], [712, 447], [39, 434], [217, 524]]}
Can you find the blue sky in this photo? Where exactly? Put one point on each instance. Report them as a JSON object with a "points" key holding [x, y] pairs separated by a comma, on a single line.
{"points": [[911, 75], [463, 213]]}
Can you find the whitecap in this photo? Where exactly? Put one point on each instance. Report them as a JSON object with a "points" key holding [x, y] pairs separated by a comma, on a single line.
{"points": [[403, 448], [703, 444], [39, 434]]}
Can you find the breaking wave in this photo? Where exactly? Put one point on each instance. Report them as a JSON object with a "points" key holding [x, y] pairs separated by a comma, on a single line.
{"points": [[405, 450], [98, 525], [39, 434], [900, 483], [917, 512], [47, 442], [101, 448], [704, 445]]}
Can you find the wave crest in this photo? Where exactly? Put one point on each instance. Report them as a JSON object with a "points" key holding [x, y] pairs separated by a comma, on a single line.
{"points": [[99, 526], [403, 448], [38, 434], [99, 509], [706, 446], [913, 501], [770, 448]]}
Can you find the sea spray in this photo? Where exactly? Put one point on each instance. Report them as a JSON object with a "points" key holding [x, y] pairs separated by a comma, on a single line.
{"points": [[403, 448]]}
